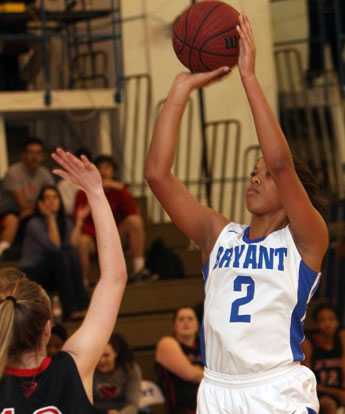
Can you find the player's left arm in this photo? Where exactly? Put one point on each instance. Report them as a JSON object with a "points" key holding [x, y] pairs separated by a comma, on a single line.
{"points": [[307, 225]]}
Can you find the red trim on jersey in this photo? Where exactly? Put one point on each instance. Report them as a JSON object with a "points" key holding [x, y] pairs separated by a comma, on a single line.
{"points": [[21, 372]]}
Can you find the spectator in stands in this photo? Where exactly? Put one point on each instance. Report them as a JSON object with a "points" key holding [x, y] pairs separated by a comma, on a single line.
{"points": [[324, 352], [8, 229], [178, 363], [67, 189], [116, 384], [21, 185], [127, 217], [57, 339], [49, 255]]}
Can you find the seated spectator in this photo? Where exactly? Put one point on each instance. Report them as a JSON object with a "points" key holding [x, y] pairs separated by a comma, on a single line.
{"points": [[8, 229], [67, 189], [117, 378], [57, 339], [178, 363], [324, 352], [127, 217], [21, 185], [49, 255]]}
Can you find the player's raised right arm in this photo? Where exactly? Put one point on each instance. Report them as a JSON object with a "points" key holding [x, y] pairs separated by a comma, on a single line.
{"points": [[195, 220], [87, 343]]}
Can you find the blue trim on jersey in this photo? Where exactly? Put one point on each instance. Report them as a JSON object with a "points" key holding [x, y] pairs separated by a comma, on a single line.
{"points": [[311, 411], [248, 240], [205, 272], [307, 283], [202, 344]]}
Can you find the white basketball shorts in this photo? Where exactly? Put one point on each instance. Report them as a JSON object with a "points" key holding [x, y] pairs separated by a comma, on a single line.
{"points": [[283, 390]]}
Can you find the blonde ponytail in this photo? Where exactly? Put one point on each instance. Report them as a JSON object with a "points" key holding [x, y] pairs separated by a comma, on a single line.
{"points": [[24, 311], [7, 309]]}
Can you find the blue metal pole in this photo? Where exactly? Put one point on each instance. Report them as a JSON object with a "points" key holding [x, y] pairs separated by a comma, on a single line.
{"points": [[340, 41], [116, 22], [47, 96]]}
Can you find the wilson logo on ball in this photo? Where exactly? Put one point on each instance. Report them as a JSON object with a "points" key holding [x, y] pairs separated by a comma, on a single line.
{"points": [[231, 42]]}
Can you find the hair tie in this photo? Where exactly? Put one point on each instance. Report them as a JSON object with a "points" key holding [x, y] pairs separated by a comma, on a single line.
{"points": [[12, 298]]}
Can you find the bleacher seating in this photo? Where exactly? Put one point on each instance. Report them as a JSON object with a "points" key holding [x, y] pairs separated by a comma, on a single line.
{"points": [[146, 315]]}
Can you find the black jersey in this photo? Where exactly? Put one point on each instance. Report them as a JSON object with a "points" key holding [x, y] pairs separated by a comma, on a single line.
{"points": [[327, 363], [180, 395], [53, 388]]}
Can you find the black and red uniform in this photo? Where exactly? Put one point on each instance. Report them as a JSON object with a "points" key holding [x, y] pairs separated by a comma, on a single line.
{"points": [[180, 395], [54, 387], [327, 364]]}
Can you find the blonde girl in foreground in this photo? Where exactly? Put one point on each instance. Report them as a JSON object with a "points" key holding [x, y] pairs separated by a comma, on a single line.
{"points": [[30, 381]]}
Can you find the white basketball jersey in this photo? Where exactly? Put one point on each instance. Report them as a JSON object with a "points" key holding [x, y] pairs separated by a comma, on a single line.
{"points": [[256, 294]]}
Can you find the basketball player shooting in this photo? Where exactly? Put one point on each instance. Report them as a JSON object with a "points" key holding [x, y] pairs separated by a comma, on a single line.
{"points": [[258, 278]]}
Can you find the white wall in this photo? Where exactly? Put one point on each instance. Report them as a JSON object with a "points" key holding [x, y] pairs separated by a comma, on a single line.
{"points": [[148, 47], [157, 56]]}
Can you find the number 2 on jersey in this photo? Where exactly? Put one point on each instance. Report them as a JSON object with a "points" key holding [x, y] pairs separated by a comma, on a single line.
{"points": [[239, 282]]}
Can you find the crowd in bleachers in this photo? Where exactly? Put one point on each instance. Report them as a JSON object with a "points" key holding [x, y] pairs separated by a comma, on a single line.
{"points": [[37, 228], [53, 246]]}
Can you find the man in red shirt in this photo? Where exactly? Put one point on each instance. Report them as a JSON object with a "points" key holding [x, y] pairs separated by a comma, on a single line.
{"points": [[126, 214]]}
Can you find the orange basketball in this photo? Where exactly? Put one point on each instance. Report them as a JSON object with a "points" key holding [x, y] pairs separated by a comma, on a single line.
{"points": [[205, 36]]}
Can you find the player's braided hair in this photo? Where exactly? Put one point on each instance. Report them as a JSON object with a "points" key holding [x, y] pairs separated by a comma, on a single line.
{"points": [[309, 181]]}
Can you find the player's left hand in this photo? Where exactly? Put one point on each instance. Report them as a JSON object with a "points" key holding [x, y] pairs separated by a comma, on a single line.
{"points": [[246, 59]]}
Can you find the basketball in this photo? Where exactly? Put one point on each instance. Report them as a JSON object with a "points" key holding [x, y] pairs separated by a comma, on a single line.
{"points": [[205, 36]]}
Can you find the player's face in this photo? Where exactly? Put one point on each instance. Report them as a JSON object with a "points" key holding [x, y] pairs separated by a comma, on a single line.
{"points": [[51, 200], [186, 323], [327, 322], [33, 156], [106, 170], [262, 195], [107, 360]]}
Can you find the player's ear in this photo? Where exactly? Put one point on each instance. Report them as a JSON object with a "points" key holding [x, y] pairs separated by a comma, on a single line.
{"points": [[47, 331]]}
